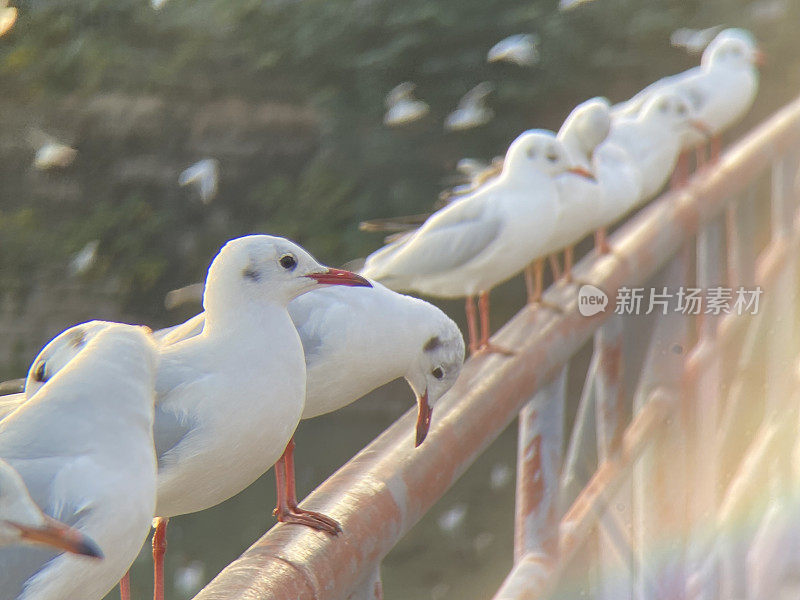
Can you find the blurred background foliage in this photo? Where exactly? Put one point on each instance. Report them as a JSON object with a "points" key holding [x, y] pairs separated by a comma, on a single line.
{"points": [[332, 60]]}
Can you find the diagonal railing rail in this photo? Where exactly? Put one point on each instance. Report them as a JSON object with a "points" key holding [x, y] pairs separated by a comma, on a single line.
{"points": [[680, 419]]}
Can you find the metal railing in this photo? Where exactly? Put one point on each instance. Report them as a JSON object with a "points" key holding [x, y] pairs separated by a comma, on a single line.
{"points": [[658, 490]]}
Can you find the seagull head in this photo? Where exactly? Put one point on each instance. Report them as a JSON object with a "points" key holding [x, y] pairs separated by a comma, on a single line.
{"points": [[674, 112], [22, 522], [58, 352], [733, 47], [591, 121], [539, 151], [262, 268], [435, 368]]}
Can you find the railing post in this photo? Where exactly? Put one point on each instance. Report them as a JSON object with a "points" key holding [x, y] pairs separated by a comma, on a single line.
{"points": [[706, 388], [539, 455], [660, 476], [615, 553]]}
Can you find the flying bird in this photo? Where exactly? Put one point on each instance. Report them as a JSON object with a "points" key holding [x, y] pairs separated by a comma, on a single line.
{"points": [[402, 107]]}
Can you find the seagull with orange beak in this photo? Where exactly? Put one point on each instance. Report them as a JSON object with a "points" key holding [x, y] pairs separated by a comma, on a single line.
{"points": [[720, 91], [653, 138], [356, 339], [484, 238]]}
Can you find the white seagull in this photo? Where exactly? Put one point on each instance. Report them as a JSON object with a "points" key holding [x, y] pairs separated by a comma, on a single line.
{"points": [[652, 137], [521, 49], [402, 107], [356, 340], [84, 448], [83, 260], [471, 111], [54, 155], [720, 91], [694, 41], [204, 176], [8, 16], [22, 522], [585, 128], [483, 239]]}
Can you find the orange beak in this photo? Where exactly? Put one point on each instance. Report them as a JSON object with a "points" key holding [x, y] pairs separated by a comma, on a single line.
{"points": [[581, 172], [760, 58], [57, 535], [424, 412], [702, 128], [339, 277]]}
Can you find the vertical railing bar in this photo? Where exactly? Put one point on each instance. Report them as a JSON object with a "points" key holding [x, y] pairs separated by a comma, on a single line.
{"points": [[581, 456], [765, 569], [659, 479], [706, 398], [539, 456], [616, 577]]}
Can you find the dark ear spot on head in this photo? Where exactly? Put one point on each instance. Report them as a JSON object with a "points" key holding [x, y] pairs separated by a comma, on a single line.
{"points": [[251, 273], [432, 344], [39, 373]]}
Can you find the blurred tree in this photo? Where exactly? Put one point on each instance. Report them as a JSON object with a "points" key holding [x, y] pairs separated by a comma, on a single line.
{"points": [[332, 62]]}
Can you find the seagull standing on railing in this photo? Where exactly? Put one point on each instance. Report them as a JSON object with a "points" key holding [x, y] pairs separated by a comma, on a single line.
{"points": [[229, 399], [22, 522], [356, 340], [402, 107], [471, 111], [720, 91], [652, 137], [84, 448], [483, 239]]}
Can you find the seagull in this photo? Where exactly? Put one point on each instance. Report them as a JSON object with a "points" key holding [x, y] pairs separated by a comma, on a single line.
{"points": [[184, 295], [564, 5], [652, 137], [376, 333], [482, 239], [694, 41], [720, 91], [8, 16], [619, 188], [402, 107], [585, 128], [203, 175], [471, 111], [84, 448], [85, 258], [768, 11], [22, 522], [356, 340], [521, 49], [54, 155]]}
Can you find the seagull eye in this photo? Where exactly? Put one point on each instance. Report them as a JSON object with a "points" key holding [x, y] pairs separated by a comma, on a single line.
{"points": [[552, 157], [531, 152], [39, 374], [438, 372], [288, 262]]}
